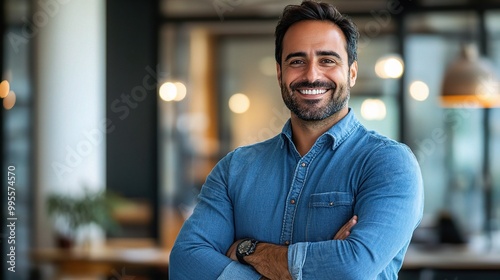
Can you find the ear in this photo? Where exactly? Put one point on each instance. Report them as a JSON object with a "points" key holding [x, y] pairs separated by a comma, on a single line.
{"points": [[353, 73], [278, 72]]}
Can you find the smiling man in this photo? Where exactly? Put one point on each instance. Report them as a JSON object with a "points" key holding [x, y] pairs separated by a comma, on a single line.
{"points": [[324, 199]]}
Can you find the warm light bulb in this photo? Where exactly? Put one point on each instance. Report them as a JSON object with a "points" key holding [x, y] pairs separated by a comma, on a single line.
{"points": [[373, 109], [168, 91], [419, 90], [389, 67], [4, 88], [10, 100], [239, 103], [393, 67], [180, 91]]}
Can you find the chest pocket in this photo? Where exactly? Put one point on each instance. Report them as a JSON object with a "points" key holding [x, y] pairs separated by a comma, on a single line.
{"points": [[327, 213]]}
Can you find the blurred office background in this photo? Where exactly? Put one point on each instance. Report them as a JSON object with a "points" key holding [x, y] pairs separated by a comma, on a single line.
{"points": [[141, 98]]}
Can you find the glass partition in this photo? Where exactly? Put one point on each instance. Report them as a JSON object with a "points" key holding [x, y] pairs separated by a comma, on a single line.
{"points": [[449, 142]]}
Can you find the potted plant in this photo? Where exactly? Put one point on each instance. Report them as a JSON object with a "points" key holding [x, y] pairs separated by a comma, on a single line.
{"points": [[74, 214]]}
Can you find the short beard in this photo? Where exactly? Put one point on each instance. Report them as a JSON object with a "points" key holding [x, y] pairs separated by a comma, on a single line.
{"points": [[338, 100]]}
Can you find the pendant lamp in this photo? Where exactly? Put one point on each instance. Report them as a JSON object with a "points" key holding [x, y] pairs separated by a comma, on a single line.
{"points": [[470, 81]]}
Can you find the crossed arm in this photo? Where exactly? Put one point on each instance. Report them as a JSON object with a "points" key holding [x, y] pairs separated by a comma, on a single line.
{"points": [[389, 205], [271, 260]]}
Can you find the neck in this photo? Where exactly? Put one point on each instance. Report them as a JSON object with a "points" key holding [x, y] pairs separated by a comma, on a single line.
{"points": [[305, 133]]}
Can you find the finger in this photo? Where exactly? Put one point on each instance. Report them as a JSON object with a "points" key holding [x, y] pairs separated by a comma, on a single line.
{"points": [[231, 253], [347, 226], [342, 235], [345, 230]]}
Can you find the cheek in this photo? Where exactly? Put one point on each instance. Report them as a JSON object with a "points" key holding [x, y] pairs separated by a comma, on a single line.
{"points": [[290, 76], [339, 75]]}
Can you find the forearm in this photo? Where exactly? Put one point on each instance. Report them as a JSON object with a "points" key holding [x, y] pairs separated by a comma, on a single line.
{"points": [[271, 261], [316, 260]]}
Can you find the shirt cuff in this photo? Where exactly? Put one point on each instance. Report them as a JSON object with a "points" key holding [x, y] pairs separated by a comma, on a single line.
{"points": [[296, 258], [236, 270]]}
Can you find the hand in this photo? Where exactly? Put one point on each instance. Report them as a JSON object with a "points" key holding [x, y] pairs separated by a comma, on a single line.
{"points": [[269, 260], [345, 230], [231, 253]]}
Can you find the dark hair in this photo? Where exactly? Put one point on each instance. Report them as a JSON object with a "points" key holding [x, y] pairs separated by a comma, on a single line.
{"points": [[311, 10]]}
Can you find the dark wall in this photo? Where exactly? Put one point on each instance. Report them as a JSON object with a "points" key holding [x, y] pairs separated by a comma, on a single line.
{"points": [[131, 102]]}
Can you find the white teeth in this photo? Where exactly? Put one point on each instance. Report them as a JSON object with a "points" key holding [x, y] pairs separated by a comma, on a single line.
{"points": [[313, 91]]}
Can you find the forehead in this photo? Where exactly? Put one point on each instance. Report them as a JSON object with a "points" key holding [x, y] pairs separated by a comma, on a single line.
{"points": [[314, 34]]}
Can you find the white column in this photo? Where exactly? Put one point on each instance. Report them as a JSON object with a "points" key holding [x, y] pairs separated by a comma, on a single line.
{"points": [[69, 56]]}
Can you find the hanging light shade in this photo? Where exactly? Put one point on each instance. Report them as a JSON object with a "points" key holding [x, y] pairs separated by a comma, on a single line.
{"points": [[470, 81]]}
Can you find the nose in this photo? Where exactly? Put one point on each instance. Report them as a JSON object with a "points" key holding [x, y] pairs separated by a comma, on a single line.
{"points": [[313, 72]]}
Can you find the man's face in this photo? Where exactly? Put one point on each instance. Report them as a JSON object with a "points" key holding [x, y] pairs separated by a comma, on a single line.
{"points": [[314, 75]]}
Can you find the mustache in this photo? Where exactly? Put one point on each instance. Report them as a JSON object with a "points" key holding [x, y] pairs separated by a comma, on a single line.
{"points": [[315, 84]]}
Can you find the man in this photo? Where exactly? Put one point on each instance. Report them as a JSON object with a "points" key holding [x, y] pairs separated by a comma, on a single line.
{"points": [[325, 199]]}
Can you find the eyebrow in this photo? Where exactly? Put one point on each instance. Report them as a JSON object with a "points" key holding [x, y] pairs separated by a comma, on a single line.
{"points": [[318, 53]]}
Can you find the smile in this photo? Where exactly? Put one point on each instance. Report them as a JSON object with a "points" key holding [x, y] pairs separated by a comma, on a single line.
{"points": [[312, 91]]}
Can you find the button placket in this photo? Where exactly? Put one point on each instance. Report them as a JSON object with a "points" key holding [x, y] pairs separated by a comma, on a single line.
{"points": [[297, 184]]}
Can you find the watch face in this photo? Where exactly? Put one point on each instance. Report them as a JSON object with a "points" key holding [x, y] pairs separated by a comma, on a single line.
{"points": [[244, 246]]}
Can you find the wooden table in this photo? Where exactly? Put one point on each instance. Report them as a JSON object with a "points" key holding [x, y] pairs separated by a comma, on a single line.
{"points": [[105, 261], [451, 257], [450, 262]]}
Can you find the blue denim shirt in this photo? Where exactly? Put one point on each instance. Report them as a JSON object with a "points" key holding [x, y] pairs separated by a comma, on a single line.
{"points": [[267, 191]]}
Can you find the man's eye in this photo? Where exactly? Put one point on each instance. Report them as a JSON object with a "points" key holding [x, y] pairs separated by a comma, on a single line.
{"points": [[328, 61], [297, 62]]}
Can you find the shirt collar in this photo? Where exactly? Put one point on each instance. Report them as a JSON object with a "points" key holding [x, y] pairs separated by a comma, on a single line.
{"points": [[338, 133]]}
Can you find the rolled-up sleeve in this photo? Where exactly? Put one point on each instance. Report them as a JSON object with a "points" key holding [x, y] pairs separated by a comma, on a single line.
{"points": [[297, 254]]}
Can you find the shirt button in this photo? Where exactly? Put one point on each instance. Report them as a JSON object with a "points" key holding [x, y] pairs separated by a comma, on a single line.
{"points": [[292, 201], [287, 242], [303, 164], [331, 203]]}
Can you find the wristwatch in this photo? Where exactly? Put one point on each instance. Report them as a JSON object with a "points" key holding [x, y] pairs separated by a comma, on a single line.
{"points": [[245, 248]]}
